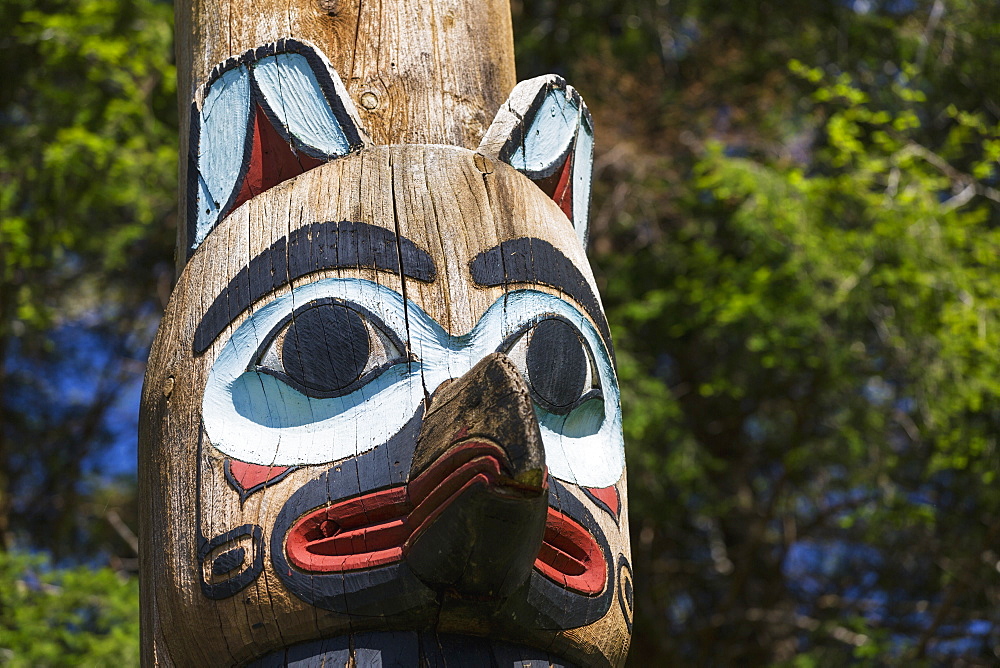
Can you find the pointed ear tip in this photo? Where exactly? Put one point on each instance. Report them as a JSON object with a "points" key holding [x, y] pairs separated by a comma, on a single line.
{"points": [[508, 135]]}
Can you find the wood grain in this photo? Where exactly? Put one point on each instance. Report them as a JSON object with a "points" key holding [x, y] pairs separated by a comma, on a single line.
{"points": [[418, 71], [380, 419], [467, 213]]}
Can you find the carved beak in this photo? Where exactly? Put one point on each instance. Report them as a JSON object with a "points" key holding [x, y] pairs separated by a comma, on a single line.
{"points": [[479, 485]]}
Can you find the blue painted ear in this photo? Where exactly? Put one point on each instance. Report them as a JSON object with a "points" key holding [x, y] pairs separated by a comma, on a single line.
{"points": [[545, 131], [265, 117]]}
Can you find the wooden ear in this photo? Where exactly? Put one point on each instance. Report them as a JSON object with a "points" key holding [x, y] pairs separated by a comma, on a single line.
{"points": [[545, 131], [263, 118]]}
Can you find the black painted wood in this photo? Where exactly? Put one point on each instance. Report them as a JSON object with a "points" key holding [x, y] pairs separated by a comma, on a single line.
{"points": [[625, 590], [228, 561], [391, 590], [410, 650], [326, 348], [322, 73], [326, 245], [557, 363], [530, 260], [238, 578], [484, 541]]}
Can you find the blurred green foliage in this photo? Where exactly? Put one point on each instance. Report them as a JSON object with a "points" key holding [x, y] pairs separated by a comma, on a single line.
{"points": [[826, 340], [88, 137], [796, 223], [88, 156], [88, 144], [76, 616]]}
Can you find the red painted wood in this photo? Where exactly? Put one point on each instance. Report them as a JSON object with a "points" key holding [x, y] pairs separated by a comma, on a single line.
{"points": [[424, 484], [360, 532], [559, 186], [272, 160], [608, 496], [571, 556], [563, 195], [249, 476], [373, 529]]}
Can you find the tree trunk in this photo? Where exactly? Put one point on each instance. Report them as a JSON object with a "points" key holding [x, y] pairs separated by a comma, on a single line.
{"points": [[380, 419], [420, 72]]}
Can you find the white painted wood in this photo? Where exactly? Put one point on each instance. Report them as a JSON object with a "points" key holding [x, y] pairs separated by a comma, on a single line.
{"points": [[454, 204], [544, 120], [256, 418], [549, 137], [224, 123], [583, 172], [421, 79], [510, 117], [294, 96]]}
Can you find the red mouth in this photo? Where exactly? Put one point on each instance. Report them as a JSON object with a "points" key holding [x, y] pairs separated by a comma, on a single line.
{"points": [[373, 529], [570, 555]]}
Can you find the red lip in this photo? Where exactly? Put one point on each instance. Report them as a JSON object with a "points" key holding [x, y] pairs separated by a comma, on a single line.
{"points": [[570, 555], [373, 529], [360, 532]]}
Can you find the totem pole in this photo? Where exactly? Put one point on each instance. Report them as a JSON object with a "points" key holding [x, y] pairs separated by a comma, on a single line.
{"points": [[381, 422]]}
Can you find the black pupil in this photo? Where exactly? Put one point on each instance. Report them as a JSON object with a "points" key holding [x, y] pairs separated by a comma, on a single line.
{"points": [[326, 348], [557, 363]]}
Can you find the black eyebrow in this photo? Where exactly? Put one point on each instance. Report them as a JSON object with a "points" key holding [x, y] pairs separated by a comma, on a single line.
{"points": [[530, 260], [327, 245]]}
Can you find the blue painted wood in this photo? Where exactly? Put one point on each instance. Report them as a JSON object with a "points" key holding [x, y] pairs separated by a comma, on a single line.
{"points": [[222, 146], [329, 653], [543, 124], [302, 96], [549, 137], [294, 97], [386, 650], [583, 169], [256, 418], [465, 651]]}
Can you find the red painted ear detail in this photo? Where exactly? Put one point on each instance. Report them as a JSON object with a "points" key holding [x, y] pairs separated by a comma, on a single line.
{"points": [[248, 479], [261, 119], [558, 187], [272, 160], [606, 498], [545, 131]]}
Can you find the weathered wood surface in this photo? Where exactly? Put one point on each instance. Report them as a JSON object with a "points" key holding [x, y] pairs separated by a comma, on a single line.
{"points": [[418, 71], [380, 417]]}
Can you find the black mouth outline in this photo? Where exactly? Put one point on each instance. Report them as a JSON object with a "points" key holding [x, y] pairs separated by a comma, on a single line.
{"points": [[374, 529]]}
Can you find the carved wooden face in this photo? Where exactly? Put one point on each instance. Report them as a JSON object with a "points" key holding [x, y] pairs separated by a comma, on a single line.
{"points": [[383, 396]]}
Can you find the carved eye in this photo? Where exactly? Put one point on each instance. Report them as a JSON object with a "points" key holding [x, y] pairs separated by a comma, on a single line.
{"points": [[557, 364], [329, 349]]}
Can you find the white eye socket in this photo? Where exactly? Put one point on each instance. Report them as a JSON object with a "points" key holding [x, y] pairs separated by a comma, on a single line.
{"points": [[297, 381], [300, 386], [557, 364], [329, 348]]}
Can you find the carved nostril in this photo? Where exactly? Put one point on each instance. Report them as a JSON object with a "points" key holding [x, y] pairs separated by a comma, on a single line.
{"points": [[478, 480], [491, 401], [328, 528]]}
